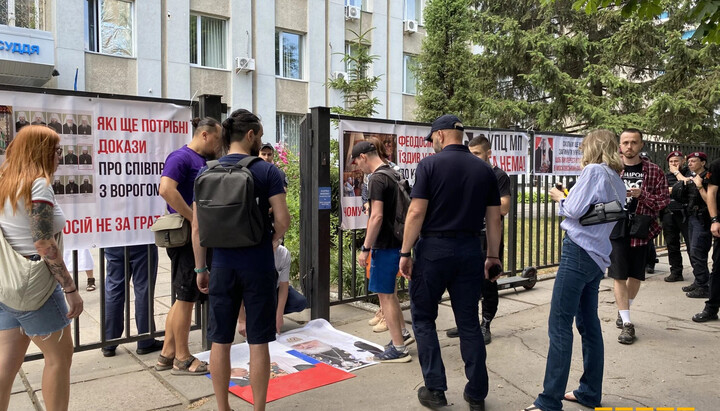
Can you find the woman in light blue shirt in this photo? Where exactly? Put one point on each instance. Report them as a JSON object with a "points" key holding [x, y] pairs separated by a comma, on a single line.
{"points": [[585, 257]]}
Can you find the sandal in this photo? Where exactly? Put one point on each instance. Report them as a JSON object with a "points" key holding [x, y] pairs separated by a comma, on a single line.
{"points": [[90, 285], [163, 363], [570, 396], [183, 367]]}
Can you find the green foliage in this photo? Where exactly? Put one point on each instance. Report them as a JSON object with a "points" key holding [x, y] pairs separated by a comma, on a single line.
{"points": [[289, 163], [532, 198], [357, 89], [544, 65], [705, 14]]}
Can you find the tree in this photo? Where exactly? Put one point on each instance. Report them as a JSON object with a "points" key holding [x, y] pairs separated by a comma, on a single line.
{"points": [[546, 66], [357, 89], [705, 14], [444, 72]]}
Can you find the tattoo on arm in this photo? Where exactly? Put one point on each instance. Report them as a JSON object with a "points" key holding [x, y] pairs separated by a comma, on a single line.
{"points": [[41, 227]]}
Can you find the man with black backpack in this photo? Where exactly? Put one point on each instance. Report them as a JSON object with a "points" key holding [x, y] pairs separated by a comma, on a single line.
{"points": [[388, 195], [231, 215]]}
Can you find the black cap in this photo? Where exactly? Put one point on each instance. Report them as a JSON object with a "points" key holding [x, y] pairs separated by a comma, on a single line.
{"points": [[445, 122], [267, 145], [363, 147]]}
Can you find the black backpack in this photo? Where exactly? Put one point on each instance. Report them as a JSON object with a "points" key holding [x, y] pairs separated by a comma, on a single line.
{"points": [[227, 208], [402, 200]]}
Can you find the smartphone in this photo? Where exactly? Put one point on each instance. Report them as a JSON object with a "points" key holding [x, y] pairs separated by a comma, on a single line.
{"points": [[495, 271]]}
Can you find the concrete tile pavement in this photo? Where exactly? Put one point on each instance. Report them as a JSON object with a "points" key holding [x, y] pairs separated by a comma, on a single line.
{"points": [[672, 364]]}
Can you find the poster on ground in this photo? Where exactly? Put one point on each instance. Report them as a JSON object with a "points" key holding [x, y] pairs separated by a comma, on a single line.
{"points": [[113, 153]]}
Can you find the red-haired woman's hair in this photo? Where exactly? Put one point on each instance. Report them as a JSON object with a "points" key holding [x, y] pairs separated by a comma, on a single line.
{"points": [[31, 155]]}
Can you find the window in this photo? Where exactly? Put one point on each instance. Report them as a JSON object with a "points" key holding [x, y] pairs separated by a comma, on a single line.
{"points": [[358, 3], [207, 41], [409, 80], [109, 27], [352, 49], [288, 130], [288, 55], [27, 13], [413, 10]]}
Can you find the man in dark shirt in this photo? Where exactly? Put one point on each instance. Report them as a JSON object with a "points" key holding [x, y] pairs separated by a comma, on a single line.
{"points": [[454, 194], [674, 217], [698, 225], [710, 312], [480, 148], [380, 238]]}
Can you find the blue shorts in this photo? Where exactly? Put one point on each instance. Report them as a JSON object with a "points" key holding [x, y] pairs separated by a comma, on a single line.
{"points": [[49, 318], [229, 288], [383, 270]]}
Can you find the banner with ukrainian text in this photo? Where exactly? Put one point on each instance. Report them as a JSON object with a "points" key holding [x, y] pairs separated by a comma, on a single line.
{"points": [[556, 155], [107, 183]]}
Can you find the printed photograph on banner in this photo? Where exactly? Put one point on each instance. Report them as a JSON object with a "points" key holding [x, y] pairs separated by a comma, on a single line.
{"points": [[543, 155], [567, 156], [85, 159], [6, 129]]}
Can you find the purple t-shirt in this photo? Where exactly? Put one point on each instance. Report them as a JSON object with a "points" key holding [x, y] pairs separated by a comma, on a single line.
{"points": [[182, 165]]}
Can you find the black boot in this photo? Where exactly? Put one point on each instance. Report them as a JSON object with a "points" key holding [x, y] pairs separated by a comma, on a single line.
{"points": [[674, 277]]}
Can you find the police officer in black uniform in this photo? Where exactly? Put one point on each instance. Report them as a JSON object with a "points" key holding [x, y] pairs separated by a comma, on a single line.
{"points": [[712, 305], [674, 217], [454, 192], [699, 225]]}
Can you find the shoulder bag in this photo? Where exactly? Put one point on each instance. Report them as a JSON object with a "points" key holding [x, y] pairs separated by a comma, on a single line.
{"points": [[171, 230], [25, 285], [602, 213]]}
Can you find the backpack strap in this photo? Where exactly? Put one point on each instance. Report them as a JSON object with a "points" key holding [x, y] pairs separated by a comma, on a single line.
{"points": [[390, 173], [245, 162], [212, 164]]}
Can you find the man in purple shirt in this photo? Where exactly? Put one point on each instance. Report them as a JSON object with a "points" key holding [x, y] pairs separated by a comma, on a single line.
{"points": [[176, 187]]}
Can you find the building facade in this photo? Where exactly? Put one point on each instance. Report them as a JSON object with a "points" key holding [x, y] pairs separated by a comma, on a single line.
{"points": [[273, 57]]}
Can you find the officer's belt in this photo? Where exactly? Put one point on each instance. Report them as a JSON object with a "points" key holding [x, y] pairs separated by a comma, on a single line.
{"points": [[450, 234]]}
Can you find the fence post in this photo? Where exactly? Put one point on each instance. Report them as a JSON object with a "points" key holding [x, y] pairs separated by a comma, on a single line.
{"points": [[315, 211]]}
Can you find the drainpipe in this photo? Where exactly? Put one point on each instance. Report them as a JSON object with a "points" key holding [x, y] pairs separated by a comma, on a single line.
{"points": [[253, 30], [163, 49], [387, 63]]}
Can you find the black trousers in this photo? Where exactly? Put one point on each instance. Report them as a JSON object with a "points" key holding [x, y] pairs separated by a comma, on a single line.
{"points": [[490, 297], [674, 224], [713, 303]]}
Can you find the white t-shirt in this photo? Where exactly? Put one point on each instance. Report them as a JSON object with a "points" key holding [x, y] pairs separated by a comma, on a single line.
{"points": [[282, 264], [16, 228]]}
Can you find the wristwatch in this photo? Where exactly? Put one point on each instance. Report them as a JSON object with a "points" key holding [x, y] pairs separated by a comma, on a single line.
{"points": [[363, 248], [715, 219]]}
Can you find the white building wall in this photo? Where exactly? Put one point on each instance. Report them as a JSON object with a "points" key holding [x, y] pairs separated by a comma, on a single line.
{"points": [[379, 48], [69, 31], [148, 47], [178, 53], [240, 40], [395, 55], [265, 67], [315, 55], [335, 45]]}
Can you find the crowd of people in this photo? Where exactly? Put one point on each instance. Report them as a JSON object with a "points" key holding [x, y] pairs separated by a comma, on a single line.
{"points": [[451, 240]]}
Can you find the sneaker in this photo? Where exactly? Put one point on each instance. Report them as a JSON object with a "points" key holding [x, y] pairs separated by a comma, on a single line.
{"points": [[431, 398], [627, 335], [705, 316], [485, 329], [108, 352], [674, 278], [381, 326], [650, 269], [452, 333], [407, 340], [690, 287], [391, 354], [90, 285], [376, 319], [619, 321], [698, 293]]}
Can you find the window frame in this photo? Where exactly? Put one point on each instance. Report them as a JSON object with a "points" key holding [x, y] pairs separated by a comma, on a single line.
{"points": [[406, 71], [419, 6], [92, 13], [280, 123], [198, 41], [279, 42]]}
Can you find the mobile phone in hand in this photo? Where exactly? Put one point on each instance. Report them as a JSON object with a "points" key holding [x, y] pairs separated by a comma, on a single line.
{"points": [[495, 271]]}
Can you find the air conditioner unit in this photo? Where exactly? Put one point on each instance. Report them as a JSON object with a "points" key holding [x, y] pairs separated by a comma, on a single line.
{"points": [[339, 75], [410, 26], [244, 64], [352, 12]]}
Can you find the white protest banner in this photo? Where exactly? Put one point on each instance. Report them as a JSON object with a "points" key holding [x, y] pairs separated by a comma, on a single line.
{"points": [[567, 156], [107, 183], [509, 148], [404, 148]]}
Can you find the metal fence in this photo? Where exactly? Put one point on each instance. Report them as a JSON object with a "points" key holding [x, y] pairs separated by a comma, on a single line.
{"points": [[532, 236]]}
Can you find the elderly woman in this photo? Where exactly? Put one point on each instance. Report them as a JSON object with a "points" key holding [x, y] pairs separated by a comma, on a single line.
{"points": [[31, 220], [585, 257]]}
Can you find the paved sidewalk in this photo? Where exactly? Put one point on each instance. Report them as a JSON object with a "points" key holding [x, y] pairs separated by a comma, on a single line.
{"points": [[673, 363]]}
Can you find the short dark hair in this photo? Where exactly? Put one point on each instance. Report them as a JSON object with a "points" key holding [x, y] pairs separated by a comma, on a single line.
{"points": [[481, 141], [238, 124], [634, 131]]}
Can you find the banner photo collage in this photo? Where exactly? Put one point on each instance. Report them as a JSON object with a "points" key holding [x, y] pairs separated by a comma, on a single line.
{"points": [[113, 152]]}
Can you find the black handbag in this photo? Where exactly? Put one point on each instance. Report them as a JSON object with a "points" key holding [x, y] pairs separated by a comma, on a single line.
{"points": [[602, 213], [640, 226]]}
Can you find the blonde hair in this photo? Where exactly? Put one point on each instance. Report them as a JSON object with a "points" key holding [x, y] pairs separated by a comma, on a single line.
{"points": [[601, 146], [31, 155]]}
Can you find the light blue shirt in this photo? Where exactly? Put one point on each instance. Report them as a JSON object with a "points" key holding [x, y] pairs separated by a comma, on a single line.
{"points": [[595, 185]]}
